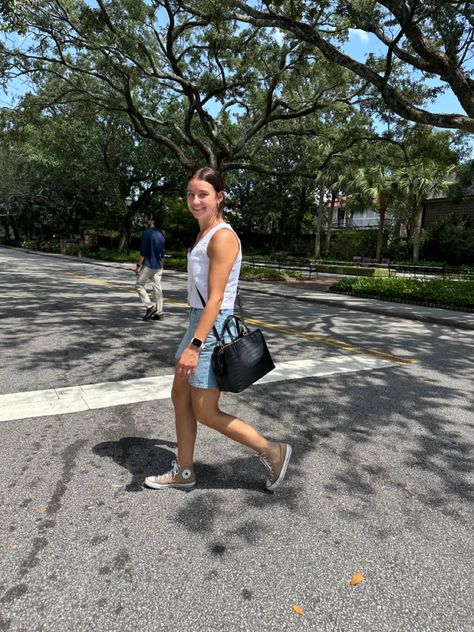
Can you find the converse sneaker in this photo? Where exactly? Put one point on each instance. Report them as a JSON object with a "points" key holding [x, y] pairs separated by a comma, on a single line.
{"points": [[276, 461], [179, 476]]}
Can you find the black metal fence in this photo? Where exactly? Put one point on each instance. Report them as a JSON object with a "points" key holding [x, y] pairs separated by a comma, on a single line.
{"points": [[311, 269], [306, 268]]}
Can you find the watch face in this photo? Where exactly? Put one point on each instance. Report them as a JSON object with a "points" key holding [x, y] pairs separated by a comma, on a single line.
{"points": [[196, 342]]}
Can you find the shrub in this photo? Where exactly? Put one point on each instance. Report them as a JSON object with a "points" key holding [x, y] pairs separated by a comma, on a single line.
{"points": [[248, 273], [451, 240], [113, 255], [436, 291], [31, 244], [399, 250], [352, 242], [177, 263], [43, 245]]}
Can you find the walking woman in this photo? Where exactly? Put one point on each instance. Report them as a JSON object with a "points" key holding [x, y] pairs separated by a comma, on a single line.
{"points": [[213, 271]]}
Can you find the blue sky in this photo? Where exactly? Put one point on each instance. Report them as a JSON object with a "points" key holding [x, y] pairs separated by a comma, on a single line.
{"points": [[360, 44]]}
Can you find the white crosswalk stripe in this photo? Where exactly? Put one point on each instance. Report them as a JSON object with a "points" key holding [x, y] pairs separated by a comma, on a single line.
{"points": [[73, 399]]}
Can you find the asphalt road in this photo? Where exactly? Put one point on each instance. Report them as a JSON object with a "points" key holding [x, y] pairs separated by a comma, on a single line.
{"points": [[381, 481]]}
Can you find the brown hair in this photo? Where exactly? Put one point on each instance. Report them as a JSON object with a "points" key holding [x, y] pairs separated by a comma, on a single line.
{"points": [[214, 178]]}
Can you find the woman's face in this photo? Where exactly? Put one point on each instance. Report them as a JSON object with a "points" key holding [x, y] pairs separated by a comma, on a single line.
{"points": [[203, 200]]}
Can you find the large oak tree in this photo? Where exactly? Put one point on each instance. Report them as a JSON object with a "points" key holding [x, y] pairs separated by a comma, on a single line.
{"points": [[421, 40], [208, 88]]}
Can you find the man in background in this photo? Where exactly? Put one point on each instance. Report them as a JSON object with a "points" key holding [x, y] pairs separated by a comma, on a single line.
{"points": [[149, 269]]}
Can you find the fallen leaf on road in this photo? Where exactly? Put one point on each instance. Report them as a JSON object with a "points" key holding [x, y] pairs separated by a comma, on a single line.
{"points": [[40, 510], [298, 610], [357, 578]]}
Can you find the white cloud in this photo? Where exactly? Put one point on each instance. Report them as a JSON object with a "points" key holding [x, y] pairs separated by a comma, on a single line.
{"points": [[360, 34]]}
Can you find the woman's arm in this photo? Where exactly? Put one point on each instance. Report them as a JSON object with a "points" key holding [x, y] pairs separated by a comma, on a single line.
{"points": [[222, 251]]}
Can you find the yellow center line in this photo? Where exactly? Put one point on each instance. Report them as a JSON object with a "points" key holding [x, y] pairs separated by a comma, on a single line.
{"points": [[331, 342], [340, 344]]}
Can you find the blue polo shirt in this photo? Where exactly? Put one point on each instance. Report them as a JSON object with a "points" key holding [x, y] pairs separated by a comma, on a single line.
{"points": [[152, 247]]}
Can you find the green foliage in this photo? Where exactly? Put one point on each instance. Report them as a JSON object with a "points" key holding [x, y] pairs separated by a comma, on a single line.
{"points": [[398, 250], [349, 243], [176, 263], [451, 240], [248, 273], [352, 270], [113, 255], [178, 224], [43, 245], [437, 292], [464, 182]]}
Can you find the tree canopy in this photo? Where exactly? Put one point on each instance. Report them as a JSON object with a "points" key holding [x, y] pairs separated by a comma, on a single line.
{"points": [[126, 97], [421, 41]]}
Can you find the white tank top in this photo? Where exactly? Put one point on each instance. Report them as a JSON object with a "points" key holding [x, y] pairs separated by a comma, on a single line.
{"points": [[198, 271]]}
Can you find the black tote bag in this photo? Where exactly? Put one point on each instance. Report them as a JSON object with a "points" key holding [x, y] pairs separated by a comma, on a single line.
{"points": [[244, 360]]}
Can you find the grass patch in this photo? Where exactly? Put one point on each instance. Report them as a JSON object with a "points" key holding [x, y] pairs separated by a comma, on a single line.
{"points": [[433, 292], [247, 273]]}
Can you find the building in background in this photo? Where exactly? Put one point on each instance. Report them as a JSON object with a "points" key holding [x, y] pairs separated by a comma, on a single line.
{"points": [[343, 217]]}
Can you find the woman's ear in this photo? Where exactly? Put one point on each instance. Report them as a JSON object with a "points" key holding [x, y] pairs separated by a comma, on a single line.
{"points": [[220, 199]]}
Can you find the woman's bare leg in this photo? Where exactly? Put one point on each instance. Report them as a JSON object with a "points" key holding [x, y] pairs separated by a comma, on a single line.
{"points": [[185, 420], [205, 404]]}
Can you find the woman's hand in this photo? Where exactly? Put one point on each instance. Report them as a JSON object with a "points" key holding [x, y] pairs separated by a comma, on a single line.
{"points": [[187, 363]]}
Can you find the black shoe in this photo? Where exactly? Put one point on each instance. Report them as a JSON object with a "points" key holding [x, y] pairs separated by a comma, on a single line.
{"points": [[158, 317], [151, 311]]}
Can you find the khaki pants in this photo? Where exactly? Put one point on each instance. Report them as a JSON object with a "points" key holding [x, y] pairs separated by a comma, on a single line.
{"points": [[154, 277]]}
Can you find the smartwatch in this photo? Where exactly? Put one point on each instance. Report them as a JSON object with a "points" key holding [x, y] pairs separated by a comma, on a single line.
{"points": [[195, 342]]}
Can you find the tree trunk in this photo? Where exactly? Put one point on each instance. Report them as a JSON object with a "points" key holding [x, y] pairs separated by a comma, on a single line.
{"points": [[382, 213], [417, 232], [319, 222], [123, 239], [126, 231], [329, 223], [6, 229], [16, 232]]}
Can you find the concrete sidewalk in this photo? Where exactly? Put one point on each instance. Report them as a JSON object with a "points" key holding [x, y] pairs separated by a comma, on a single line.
{"points": [[439, 316]]}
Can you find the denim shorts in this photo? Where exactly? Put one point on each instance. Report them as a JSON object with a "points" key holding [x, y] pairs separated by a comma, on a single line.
{"points": [[204, 375]]}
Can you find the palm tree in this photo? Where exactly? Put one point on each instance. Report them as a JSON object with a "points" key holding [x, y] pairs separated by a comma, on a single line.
{"points": [[464, 182], [374, 185], [415, 182]]}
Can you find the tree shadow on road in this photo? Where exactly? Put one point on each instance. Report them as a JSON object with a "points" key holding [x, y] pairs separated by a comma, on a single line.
{"points": [[145, 457]]}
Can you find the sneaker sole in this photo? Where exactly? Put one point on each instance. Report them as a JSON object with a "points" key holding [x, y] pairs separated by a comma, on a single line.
{"points": [[152, 485], [284, 467], [148, 317]]}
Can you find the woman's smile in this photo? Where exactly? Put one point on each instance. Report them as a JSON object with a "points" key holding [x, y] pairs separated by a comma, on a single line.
{"points": [[202, 198]]}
